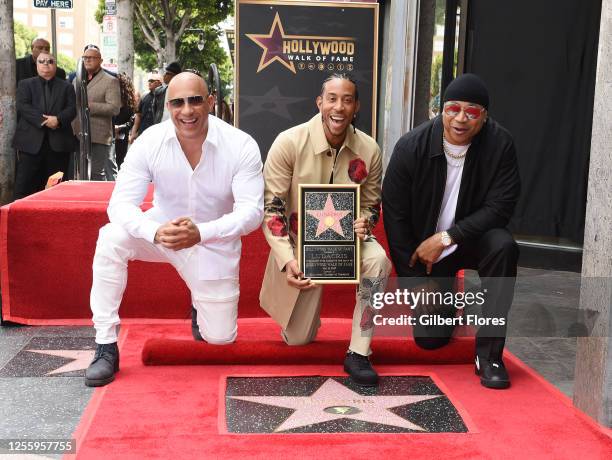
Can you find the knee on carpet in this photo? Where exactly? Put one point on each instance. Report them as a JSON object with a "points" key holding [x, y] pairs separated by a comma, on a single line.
{"points": [[213, 340], [296, 340]]}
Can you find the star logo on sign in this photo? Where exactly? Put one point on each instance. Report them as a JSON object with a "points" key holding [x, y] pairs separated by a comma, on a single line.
{"points": [[81, 359], [333, 401], [329, 218]]}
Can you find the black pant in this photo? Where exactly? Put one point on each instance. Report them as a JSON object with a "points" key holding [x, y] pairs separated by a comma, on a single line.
{"points": [[495, 257], [33, 170]]}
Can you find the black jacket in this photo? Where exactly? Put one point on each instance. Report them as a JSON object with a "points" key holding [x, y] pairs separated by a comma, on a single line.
{"points": [[26, 68], [415, 180], [29, 135], [159, 97]]}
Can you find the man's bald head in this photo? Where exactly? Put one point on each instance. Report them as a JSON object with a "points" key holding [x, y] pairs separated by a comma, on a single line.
{"points": [[185, 81], [189, 104]]}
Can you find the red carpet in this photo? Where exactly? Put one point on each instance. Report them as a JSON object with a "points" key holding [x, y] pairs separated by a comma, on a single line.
{"points": [[47, 241], [177, 412]]}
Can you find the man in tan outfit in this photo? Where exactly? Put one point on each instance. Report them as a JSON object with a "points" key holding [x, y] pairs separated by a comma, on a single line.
{"points": [[104, 101], [324, 150]]}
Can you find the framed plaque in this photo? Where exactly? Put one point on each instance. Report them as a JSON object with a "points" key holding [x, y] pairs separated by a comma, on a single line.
{"points": [[328, 248]]}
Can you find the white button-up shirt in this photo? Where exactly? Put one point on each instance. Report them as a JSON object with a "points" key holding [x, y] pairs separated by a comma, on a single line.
{"points": [[223, 195]]}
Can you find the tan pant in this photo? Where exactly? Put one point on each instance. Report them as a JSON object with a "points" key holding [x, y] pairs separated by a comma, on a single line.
{"points": [[305, 319]]}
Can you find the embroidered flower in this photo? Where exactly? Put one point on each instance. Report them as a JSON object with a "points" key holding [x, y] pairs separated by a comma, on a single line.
{"points": [[277, 226], [357, 170], [293, 223]]}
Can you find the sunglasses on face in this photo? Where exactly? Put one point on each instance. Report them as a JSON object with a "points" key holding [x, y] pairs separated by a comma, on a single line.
{"points": [[90, 58], [46, 61], [194, 101], [452, 109], [153, 81]]}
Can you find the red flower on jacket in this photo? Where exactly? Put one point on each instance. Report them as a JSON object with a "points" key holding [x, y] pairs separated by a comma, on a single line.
{"points": [[357, 170], [293, 223], [277, 226]]}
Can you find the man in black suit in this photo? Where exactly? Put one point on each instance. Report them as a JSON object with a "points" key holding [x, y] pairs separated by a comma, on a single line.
{"points": [[26, 66], [46, 105]]}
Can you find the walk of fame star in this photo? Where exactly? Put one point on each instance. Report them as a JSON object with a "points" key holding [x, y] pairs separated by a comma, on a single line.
{"points": [[272, 45], [81, 359], [329, 218], [333, 401]]}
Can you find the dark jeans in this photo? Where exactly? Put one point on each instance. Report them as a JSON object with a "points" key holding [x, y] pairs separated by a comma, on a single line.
{"points": [[495, 257], [33, 170]]}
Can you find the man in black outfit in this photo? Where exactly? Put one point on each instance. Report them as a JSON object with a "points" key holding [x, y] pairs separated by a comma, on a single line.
{"points": [[46, 105], [144, 114], [26, 66], [449, 191]]}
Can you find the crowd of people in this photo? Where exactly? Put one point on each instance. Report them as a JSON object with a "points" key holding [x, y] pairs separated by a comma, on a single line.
{"points": [[48, 116], [449, 191]]}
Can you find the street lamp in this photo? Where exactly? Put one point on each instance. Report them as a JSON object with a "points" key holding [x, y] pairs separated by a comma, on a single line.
{"points": [[201, 41]]}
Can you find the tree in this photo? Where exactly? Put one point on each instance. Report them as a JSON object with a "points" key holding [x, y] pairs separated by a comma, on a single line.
{"points": [[125, 36], [7, 101]]}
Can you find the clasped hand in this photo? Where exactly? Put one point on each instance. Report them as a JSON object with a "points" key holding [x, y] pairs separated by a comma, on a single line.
{"points": [[180, 233], [50, 121]]}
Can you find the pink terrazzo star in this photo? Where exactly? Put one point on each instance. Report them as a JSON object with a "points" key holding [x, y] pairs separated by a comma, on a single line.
{"points": [[329, 218], [346, 404]]}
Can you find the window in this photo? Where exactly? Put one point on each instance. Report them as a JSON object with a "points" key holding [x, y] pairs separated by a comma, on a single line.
{"points": [[39, 20], [66, 22], [65, 39]]}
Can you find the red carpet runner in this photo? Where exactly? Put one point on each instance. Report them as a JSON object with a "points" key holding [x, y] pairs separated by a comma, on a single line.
{"points": [[152, 412]]}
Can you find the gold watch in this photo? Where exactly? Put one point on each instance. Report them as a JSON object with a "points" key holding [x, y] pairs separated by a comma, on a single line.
{"points": [[445, 239]]}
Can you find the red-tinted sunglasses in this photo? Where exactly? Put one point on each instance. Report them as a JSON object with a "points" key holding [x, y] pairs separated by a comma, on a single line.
{"points": [[452, 109]]}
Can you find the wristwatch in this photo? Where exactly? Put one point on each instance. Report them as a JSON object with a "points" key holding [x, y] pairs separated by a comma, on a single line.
{"points": [[445, 239]]}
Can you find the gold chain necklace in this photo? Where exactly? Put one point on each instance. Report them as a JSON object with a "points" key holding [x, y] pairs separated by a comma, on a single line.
{"points": [[451, 154]]}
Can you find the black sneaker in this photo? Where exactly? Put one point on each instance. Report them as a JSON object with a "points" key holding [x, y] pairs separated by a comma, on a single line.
{"points": [[195, 330], [105, 364], [493, 374], [360, 370]]}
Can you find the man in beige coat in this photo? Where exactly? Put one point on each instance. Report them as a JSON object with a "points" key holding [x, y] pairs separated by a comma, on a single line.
{"points": [[104, 100], [326, 149]]}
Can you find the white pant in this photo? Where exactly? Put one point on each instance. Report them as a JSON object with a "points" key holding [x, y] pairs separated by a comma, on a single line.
{"points": [[215, 300]]}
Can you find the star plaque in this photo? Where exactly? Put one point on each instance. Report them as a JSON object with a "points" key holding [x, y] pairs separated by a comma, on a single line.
{"points": [[328, 246]]}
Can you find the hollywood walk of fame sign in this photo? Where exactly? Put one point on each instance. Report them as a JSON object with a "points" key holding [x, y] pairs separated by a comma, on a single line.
{"points": [[328, 249], [319, 404], [285, 49]]}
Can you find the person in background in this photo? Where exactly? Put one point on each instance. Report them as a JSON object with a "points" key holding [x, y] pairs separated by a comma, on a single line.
{"points": [[125, 120], [26, 66], [145, 116], [160, 108], [104, 100], [46, 105]]}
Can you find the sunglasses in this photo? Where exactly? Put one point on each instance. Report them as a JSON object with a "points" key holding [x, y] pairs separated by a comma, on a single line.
{"points": [[46, 61], [152, 80], [90, 58], [194, 101], [452, 109]]}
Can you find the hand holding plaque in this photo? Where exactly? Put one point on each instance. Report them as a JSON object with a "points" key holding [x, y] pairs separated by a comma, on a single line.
{"points": [[328, 248]]}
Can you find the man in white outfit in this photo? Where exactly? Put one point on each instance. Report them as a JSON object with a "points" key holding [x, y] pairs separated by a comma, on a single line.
{"points": [[208, 193]]}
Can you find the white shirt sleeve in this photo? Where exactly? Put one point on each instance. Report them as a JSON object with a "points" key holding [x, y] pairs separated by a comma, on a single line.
{"points": [[130, 189], [247, 189]]}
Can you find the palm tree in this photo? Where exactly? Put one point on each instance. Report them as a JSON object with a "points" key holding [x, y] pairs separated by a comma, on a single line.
{"points": [[7, 102]]}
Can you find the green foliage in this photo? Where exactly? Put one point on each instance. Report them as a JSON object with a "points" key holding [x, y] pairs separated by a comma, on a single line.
{"points": [[23, 39]]}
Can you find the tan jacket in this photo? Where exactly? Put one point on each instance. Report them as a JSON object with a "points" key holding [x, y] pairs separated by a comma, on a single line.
{"points": [[301, 155], [104, 99]]}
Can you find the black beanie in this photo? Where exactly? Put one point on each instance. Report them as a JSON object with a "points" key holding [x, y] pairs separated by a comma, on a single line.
{"points": [[468, 87], [174, 67]]}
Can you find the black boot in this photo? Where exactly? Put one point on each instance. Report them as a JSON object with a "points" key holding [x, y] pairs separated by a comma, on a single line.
{"points": [[105, 364], [492, 373], [360, 370], [195, 330]]}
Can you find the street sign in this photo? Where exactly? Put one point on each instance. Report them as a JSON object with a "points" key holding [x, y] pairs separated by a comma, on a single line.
{"points": [[58, 4], [110, 8]]}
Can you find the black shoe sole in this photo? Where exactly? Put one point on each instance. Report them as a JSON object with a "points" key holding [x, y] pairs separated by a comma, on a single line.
{"points": [[195, 330], [495, 385], [100, 382], [363, 384]]}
